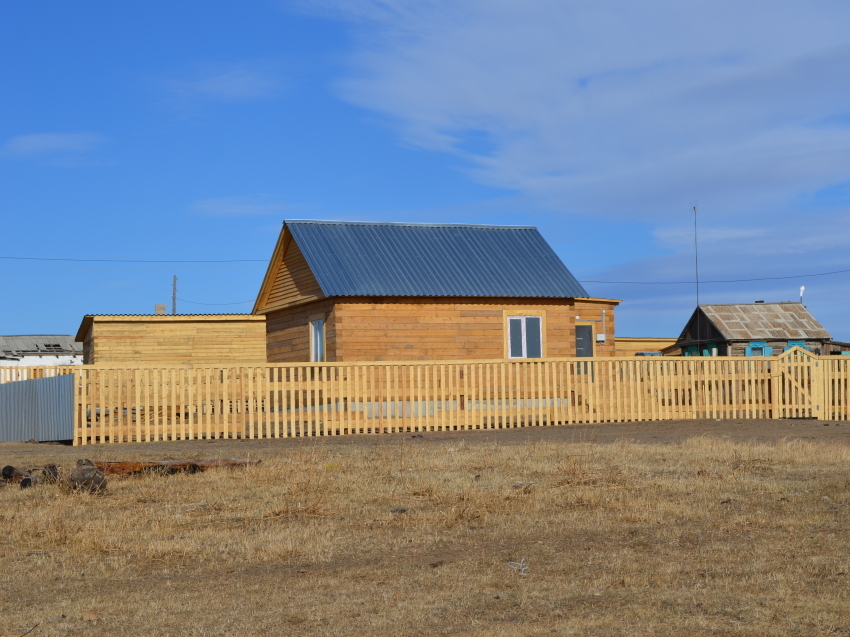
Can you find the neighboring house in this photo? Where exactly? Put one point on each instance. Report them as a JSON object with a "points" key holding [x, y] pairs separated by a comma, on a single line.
{"points": [[344, 291], [754, 329], [40, 349], [645, 346], [169, 339]]}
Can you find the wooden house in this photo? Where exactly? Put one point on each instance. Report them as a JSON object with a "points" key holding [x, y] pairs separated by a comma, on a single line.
{"points": [[343, 291], [168, 339], [753, 329]]}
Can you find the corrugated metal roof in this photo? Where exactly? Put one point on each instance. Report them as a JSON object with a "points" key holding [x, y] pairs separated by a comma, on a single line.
{"points": [[404, 259], [44, 344], [765, 321]]}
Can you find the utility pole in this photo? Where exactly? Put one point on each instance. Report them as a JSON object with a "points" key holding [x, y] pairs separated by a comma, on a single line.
{"points": [[174, 296]]}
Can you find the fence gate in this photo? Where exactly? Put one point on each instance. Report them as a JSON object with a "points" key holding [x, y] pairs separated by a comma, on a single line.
{"points": [[40, 409], [796, 390]]}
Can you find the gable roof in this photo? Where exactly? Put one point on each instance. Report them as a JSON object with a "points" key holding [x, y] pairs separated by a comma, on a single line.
{"points": [[39, 345], [764, 321], [418, 259]]}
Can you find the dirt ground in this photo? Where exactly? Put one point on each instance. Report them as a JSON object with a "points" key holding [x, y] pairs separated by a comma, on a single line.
{"points": [[732, 528], [658, 432]]}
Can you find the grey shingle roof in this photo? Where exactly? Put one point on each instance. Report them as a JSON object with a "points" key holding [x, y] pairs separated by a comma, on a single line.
{"points": [[44, 344], [765, 321], [404, 259]]}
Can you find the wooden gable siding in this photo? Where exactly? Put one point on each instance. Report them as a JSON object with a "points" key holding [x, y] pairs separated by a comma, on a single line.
{"points": [[290, 280]]}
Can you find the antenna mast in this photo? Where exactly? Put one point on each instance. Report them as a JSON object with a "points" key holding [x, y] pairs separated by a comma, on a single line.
{"points": [[174, 295], [696, 272]]}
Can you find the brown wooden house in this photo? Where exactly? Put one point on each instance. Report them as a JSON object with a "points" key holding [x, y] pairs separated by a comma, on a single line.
{"points": [[344, 291]]}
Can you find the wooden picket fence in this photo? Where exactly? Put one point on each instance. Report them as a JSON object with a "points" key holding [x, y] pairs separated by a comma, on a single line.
{"points": [[137, 404]]}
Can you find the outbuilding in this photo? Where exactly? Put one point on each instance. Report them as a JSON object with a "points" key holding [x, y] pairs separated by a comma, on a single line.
{"points": [[169, 339], [754, 329], [39, 349], [348, 291]]}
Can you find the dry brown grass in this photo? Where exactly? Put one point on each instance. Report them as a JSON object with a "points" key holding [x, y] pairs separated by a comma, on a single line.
{"points": [[703, 537]]}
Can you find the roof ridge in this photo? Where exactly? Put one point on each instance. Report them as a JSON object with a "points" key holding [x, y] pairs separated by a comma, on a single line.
{"points": [[407, 224]]}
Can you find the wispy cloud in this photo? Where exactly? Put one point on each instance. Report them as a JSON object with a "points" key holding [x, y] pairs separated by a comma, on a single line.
{"points": [[51, 144], [229, 83], [236, 207], [630, 112]]}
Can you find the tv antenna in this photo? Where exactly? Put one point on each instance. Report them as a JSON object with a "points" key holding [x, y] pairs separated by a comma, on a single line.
{"points": [[696, 279]]}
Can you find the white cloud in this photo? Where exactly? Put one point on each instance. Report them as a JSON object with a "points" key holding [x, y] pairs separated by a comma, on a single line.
{"points": [[232, 83], [236, 207], [633, 111], [614, 107], [51, 144]]}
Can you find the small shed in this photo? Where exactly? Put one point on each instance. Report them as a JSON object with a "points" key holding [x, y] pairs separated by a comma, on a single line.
{"points": [[348, 291], [646, 346], [39, 349], [752, 329], [169, 339]]}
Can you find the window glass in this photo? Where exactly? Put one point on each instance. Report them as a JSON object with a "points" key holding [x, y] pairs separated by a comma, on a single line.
{"points": [[532, 337], [515, 338], [525, 338], [317, 341]]}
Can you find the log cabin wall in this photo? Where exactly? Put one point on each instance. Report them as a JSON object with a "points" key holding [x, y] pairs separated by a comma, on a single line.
{"points": [[428, 328], [288, 332], [173, 340]]}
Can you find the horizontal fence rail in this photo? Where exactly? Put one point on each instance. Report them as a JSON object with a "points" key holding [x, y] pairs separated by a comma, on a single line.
{"points": [[115, 405]]}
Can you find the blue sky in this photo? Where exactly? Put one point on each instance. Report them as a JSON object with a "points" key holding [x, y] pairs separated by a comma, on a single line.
{"points": [[187, 132]]}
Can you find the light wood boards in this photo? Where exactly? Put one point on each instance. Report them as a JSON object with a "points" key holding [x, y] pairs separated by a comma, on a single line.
{"points": [[175, 339], [428, 328], [297, 400]]}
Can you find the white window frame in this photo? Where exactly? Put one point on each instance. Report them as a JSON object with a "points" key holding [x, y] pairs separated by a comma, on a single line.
{"points": [[317, 346], [524, 353]]}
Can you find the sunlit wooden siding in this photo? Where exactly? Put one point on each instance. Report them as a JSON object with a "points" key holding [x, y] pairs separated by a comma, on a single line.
{"points": [[405, 328], [174, 340], [288, 332]]}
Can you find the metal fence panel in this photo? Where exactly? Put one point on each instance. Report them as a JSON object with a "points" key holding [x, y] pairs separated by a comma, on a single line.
{"points": [[41, 409]]}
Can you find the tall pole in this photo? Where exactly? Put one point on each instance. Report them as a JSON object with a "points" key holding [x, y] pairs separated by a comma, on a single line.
{"points": [[174, 295], [699, 388], [696, 254]]}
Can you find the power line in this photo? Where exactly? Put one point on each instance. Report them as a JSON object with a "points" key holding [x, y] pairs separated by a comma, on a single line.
{"points": [[764, 278], [202, 267], [136, 260]]}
